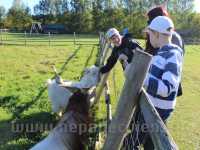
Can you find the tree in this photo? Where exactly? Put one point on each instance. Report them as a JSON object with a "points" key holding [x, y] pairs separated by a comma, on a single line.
{"points": [[18, 18], [97, 16], [180, 6], [2, 15], [80, 16]]}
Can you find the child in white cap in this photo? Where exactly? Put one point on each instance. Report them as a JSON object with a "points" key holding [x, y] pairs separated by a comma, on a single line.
{"points": [[162, 80], [123, 50]]}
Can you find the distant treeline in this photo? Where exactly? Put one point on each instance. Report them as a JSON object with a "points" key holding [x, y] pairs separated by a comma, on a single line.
{"points": [[92, 16]]}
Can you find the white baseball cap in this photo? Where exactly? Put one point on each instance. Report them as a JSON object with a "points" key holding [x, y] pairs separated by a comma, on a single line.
{"points": [[111, 32], [162, 24]]}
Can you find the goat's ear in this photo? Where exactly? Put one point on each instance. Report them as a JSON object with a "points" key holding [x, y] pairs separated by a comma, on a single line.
{"points": [[71, 89]]}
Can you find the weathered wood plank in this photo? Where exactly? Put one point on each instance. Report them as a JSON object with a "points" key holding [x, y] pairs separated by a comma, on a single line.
{"points": [[127, 101], [101, 87], [158, 131], [105, 52]]}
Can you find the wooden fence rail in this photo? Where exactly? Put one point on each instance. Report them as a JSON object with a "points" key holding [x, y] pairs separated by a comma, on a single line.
{"points": [[192, 41], [160, 136], [49, 39]]}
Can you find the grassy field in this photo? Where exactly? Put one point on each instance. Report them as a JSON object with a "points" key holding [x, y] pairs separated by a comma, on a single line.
{"points": [[23, 96]]}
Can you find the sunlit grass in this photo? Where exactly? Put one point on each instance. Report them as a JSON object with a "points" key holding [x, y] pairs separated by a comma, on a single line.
{"points": [[24, 70]]}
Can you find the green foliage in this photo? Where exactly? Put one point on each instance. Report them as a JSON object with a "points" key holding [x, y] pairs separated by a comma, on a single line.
{"points": [[188, 23], [138, 23], [2, 13], [92, 16], [97, 16], [114, 17], [18, 19]]}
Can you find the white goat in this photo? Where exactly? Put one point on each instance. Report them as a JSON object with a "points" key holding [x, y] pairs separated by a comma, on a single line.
{"points": [[76, 105], [89, 79], [59, 93]]}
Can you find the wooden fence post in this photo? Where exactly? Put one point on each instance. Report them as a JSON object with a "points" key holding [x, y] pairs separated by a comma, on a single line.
{"points": [[158, 131], [25, 37], [105, 52], [100, 41], [49, 38], [101, 59], [1, 37], [101, 87], [127, 101], [74, 39]]}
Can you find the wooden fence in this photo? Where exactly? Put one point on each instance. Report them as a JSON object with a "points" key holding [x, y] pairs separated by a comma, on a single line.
{"points": [[36, 39], [133, 96], [192, 41]]}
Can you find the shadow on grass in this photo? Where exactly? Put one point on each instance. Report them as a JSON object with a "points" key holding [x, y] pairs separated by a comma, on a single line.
{"points": [[63, 68], [23, 132], [88, 60], [19, 110], [15, 133], [10, 102]]}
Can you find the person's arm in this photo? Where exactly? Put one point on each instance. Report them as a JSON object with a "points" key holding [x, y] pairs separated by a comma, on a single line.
{"points": [[135, 45], [131, 46], [168, 83], [111, 61]]}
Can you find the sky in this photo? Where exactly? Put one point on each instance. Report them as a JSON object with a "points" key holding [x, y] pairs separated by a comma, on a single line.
{"points": [[197, 5], [8, 3], [31, 3]]}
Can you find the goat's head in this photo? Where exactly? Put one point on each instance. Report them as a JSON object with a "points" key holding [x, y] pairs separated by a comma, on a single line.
{"points": [[60, 93], [90, 79], [59, 96]]}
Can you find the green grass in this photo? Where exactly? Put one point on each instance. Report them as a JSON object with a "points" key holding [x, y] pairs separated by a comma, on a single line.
{"points": [[23, 97], [24, 71], [184, 124]]}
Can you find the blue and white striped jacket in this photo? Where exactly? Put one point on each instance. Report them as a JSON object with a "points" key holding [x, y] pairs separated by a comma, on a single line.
{"points": [[164, 76]]}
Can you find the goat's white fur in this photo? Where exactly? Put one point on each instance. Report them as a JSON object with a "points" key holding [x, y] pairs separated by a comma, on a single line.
{"points": [[59, 138], [90, 79], [59, 94]]}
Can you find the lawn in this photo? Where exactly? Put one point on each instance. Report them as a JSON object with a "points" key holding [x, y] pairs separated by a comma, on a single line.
{"points": [[23, 96]]}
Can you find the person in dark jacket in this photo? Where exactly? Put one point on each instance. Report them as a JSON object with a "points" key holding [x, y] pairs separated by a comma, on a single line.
{"points": [[123, 50], [176, 38]]}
